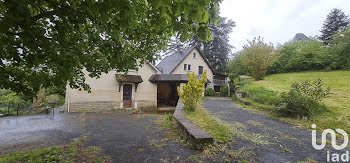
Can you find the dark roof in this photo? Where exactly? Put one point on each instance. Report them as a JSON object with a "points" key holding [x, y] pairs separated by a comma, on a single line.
{"points": [[128, 78], [182, 78], [221, 74], [169, 63], [300, 37]]}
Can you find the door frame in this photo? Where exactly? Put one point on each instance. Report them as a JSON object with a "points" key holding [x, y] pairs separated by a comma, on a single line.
{"points": [[132, 91]]}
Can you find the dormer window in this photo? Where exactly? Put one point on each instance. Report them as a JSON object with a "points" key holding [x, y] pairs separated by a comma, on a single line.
{"points": [[185, 66], [194, 55]]}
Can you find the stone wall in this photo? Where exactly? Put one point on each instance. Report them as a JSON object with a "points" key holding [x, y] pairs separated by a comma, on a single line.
{"points": [[91, 106], [193, 132]]}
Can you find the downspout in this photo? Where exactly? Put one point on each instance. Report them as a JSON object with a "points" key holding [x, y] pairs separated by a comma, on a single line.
{"points": [[68, 107]]}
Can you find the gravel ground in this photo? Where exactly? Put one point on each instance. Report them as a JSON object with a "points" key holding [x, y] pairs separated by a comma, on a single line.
{"points": [[285, 143]]}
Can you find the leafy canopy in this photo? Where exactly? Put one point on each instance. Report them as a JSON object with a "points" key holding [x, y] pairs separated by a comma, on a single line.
{"points": [[49, 43], [303, 55], [339, 50], [258, 57]]}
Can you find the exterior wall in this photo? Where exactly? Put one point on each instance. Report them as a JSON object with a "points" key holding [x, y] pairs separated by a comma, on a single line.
{"points": [[105, 93], [146, 95], [102, 97], [195, 63]]}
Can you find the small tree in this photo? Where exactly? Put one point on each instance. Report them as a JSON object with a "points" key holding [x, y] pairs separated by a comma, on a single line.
{"points": [[258, 57], [193, 90]]}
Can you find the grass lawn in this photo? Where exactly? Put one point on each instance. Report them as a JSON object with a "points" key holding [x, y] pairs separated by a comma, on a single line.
{"points": [[338, 103], [75, 152]]}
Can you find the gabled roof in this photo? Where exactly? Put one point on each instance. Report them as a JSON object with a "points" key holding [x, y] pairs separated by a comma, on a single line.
{"points": [[169, 63], [154, 67]]}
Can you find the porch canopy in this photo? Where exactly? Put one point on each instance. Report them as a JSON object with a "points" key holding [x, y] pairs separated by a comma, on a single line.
{"points": [[128, 79], [179, 78]]}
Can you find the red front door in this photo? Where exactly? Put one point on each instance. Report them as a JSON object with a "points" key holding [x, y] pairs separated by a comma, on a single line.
{"points": [[127, 93]]}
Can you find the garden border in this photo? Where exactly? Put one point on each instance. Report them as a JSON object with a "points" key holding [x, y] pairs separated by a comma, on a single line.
{"points": [[194, 132]]}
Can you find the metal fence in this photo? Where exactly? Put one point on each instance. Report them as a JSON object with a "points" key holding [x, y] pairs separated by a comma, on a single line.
{"points": [[10, 109]]}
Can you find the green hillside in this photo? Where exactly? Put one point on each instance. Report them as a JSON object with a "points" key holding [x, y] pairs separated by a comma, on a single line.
{"points": [[338, 103]]}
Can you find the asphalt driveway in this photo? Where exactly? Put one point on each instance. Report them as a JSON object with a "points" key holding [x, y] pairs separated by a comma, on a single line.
{"points": [[281, 142], [123, 136]]}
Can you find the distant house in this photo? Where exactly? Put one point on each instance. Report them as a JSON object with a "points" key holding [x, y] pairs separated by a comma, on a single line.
{"points": [[149, 87], [300, 37]]}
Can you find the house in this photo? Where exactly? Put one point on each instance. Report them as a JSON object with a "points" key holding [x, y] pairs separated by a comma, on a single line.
{"points": [[149, 87]]}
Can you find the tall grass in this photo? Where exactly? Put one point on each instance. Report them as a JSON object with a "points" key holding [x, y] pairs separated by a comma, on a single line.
{"points": [[261, 94]]}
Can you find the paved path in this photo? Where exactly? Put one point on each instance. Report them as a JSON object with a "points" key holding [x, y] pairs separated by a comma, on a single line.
{"points": [[124, 137], [38, 131], [285, 143]]}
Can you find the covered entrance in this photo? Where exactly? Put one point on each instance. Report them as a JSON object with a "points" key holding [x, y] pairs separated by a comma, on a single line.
{"points": [[127, 86], [127, 94], [167, 94]]}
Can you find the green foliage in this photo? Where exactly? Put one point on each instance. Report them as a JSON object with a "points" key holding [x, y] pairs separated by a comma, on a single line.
{"points": [[336, 21], [74, 152], [192, 92], [219, 48], [54, 99], [209, 92], [236, 66], [258, 57], [294, 103], [239, 83], [304, 99], [233, 76], [10, 97], [301, 56], [49, 43], [339, 51], [224, 90], [261, 94], [313, 90]]}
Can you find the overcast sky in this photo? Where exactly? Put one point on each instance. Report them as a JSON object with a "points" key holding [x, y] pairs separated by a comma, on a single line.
{"points": [[277, 20]]}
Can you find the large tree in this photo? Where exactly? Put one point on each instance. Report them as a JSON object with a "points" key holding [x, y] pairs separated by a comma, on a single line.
{"points": [[216, 50], [49, 43], [336, 21], [339, 50], [258, 56]]}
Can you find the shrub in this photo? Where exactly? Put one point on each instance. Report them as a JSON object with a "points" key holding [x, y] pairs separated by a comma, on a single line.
{"points": [[54, 98], [192, 92], [239, 83], [224, 91], [294, 103], [304, 99], [261, 95], [209, 92]]}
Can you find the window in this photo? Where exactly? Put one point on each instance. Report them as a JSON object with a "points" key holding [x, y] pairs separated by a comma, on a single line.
{"points": [[217, 88], [185, 66], [189, 67], [194, 55], [200, 70]]}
